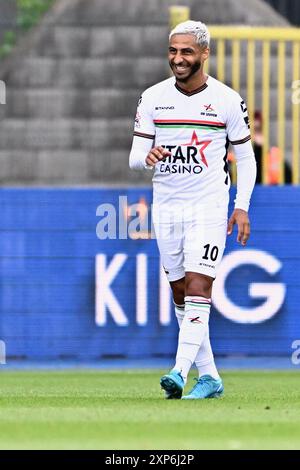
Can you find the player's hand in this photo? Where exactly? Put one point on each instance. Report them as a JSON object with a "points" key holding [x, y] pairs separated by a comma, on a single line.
{"points": [[240, 217], [156, 155]]}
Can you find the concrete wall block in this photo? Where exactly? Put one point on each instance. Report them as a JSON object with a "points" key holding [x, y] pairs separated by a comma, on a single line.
{"points": [[80, 41], [64, 42], [13, 134], [114, 72], [96, 12], [32, 72], [44, 103], [47, 103], [18, 165], [69, 167], [107, 134], [112, 103], [66, 133], [140, 41], [65, 166], [112, 166], [60, 103], [44, 167], [36, 134]]}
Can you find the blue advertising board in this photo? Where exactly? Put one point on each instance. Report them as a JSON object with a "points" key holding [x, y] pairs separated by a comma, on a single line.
{"points": [[68, 292]]}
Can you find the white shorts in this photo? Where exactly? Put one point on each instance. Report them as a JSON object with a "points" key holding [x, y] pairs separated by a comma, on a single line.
{"points": [[191, 241]]}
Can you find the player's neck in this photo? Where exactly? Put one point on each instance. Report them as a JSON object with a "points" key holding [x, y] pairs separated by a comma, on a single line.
{"points": [[194, 83]]}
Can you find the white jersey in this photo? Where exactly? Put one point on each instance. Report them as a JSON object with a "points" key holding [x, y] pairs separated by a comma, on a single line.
{"points": [[196, 128]]}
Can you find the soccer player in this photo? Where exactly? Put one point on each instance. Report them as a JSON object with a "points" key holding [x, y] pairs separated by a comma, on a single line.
{"points": [[182, 130]]}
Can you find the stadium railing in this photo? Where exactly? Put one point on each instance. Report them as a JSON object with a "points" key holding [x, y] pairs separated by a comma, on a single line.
{"points": [[270, 41]]}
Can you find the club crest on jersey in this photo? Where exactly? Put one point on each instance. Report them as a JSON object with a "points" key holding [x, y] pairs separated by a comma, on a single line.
{"points": [[209, 111], [186, 158]]}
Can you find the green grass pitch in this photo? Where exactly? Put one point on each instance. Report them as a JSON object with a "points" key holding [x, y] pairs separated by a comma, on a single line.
{"points": [[91, 409]]}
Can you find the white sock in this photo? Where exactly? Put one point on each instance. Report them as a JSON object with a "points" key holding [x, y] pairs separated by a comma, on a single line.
{"points": [[192, 332], [179, 312], [205, 359]]}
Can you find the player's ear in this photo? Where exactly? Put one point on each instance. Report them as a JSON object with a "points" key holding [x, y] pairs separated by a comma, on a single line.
{"points": [[205, 53]]}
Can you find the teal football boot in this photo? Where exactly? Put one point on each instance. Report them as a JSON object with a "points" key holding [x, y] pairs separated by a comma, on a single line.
{"points": [[173, 384], [206, 387]]}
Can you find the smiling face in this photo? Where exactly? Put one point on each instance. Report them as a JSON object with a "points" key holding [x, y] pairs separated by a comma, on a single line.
{"points": [[186, 57]]}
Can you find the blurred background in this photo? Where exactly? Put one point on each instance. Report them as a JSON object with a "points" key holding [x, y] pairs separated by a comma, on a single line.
{"points": [[71, 75]]}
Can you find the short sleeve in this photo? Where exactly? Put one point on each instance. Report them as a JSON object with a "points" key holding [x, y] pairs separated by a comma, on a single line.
{"points": [[238, 128], [143, 124]]}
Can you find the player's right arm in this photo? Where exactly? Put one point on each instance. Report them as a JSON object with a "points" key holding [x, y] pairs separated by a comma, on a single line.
{"points": [[143, 154]]}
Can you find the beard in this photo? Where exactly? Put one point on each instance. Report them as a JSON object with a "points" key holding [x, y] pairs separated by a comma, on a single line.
{"points": [[194, 69]]}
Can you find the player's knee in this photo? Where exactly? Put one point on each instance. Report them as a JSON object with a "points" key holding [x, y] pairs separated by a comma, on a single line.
{"points": [[198, 284], [178, 290]]}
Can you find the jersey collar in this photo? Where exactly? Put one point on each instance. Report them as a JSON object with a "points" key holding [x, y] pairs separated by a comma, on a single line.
{"points": [[194, 92]]}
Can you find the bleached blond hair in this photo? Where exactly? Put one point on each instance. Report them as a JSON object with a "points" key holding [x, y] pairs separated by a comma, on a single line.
{"points": [[196, 28]]}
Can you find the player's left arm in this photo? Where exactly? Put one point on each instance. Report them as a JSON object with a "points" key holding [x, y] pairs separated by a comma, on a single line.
{"points": [[238, 131]]}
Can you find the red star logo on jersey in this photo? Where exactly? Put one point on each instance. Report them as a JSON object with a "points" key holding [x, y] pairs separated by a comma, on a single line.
{"points": [[204, 143]]}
